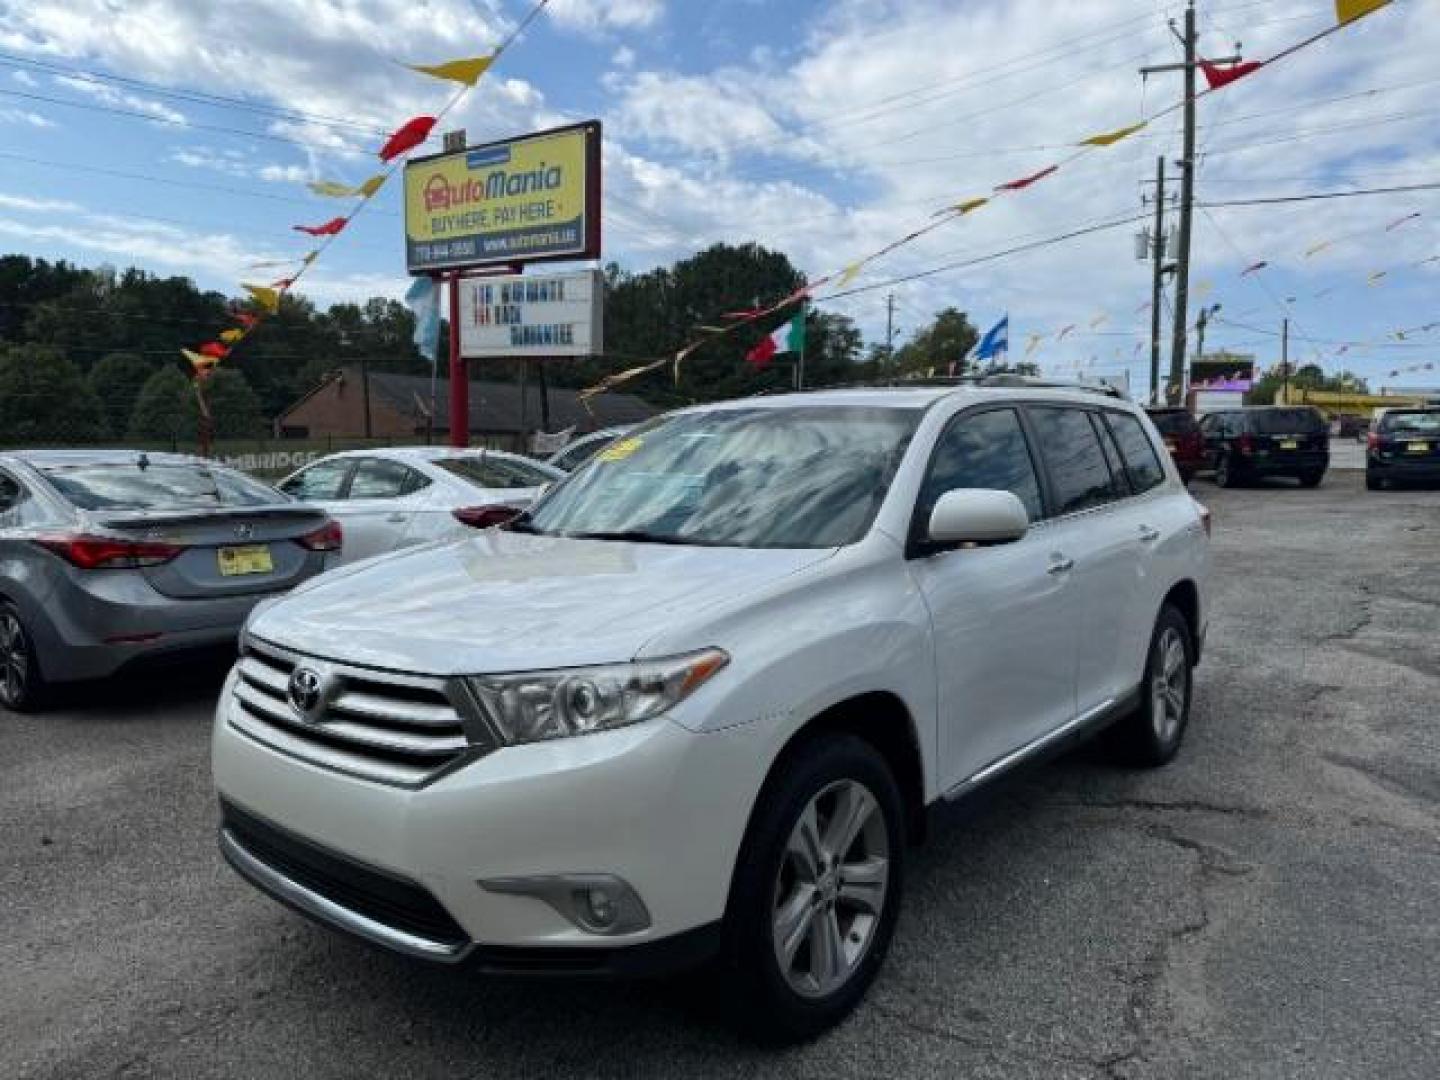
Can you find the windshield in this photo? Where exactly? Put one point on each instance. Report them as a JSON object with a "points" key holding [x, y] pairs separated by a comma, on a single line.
{"points": [[755, 478], [1425, 423], [1286, 422], [131, 486]]}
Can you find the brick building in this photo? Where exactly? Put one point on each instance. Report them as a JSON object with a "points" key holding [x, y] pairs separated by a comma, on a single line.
{"points": [[400, 410]]}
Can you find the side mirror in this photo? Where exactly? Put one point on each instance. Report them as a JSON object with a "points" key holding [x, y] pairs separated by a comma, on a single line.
{"points": [[977, 516]]}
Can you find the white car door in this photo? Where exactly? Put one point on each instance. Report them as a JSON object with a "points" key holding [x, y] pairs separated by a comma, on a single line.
{"points": [[1098, 535], [380, 501], [1003, 616]]}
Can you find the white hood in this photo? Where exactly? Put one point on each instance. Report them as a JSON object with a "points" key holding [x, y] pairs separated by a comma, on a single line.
{"points": [[504, 601]]}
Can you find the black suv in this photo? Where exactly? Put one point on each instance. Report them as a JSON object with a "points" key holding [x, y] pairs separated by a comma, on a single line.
{"points": [[1404, 445], [1279, 440]]}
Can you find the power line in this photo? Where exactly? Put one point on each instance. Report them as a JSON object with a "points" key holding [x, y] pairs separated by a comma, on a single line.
{"points": [[1271, 200]]}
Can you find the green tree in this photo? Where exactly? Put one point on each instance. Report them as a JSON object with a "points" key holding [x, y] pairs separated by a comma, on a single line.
{"points": [[166, 407], [44, 399], [948, 340], [117, 380]]}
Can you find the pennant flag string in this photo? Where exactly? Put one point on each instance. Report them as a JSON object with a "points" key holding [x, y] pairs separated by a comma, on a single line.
{"points": [[1401, 221]]}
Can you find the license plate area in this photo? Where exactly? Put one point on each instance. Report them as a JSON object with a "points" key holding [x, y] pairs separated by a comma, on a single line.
{"points": [[1417, 448], [1289, 444], [244, 559]]}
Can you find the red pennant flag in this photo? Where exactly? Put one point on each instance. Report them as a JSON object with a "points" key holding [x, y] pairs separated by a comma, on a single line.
{"points": [[213, 349], [246, 319], [1026, 181], [408, 136], [330, 228], [1218, 76]]}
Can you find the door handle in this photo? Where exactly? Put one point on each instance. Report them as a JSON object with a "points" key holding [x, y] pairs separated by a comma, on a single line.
{"points": [[397, 518], [1059, 564], [1148, 535]]}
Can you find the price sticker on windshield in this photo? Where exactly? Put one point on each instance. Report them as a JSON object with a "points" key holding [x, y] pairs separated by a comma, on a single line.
{"points": [[619, 451]]}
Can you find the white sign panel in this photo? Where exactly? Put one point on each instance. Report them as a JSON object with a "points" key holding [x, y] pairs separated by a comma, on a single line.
{"points": [[539, 315]]}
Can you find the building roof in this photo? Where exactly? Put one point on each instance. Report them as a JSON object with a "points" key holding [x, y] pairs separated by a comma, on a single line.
{"points": [[495, 406]]}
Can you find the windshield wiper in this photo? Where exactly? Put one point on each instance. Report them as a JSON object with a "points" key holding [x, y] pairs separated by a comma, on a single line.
{"points": [[634, 536]]}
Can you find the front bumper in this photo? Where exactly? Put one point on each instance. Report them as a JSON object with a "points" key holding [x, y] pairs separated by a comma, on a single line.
{"points": [[658, 806]]}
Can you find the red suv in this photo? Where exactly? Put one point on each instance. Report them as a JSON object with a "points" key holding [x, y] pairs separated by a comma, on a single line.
{"points": [[1183, 439]]}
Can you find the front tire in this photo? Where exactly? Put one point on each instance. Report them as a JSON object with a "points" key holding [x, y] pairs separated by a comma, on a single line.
{"points": [[816, 890], [1151, 735], [22, 688], [1225, 472]]}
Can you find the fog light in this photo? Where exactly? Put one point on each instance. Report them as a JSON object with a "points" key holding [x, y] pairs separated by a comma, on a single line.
{"points": [[596, 903]]}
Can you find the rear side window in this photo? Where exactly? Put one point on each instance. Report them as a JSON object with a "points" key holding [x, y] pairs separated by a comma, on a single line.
{"points": [[982, 450], [1141, 461], [1078, 472], [1287, 422], [379, 478], [1418, 423], [494, 472], [323, 480], [132, 486]]}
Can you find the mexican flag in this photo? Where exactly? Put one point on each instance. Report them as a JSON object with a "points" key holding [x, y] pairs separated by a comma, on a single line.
{"points": [[790, 337]]}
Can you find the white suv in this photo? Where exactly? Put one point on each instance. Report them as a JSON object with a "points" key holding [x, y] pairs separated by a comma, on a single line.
{"points": [[694, 704]]}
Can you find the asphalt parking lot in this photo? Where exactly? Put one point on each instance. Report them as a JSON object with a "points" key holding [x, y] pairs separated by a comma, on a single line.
{"points": [[1265, 907]]}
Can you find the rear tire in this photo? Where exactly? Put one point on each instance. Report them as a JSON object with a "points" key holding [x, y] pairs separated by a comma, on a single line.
{"points": [[22, 688], [816, 890], [1151, 735], [1225, 473], [1374, 482], [1311, 479]]}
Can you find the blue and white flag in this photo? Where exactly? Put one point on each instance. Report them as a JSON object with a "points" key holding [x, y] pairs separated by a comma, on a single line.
{"points": [[995, 341], [423, 298]]}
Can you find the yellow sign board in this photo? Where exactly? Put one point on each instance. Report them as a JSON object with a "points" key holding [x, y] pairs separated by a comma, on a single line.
{"points": [[522, 200]]}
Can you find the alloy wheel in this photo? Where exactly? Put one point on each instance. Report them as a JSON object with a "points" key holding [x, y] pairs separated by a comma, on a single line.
{"points": [[1169, 684], [831, 889], [14, 660]]}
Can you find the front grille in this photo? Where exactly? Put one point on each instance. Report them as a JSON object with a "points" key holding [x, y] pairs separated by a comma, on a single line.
{"points": [[389, 900], [385, 726]]}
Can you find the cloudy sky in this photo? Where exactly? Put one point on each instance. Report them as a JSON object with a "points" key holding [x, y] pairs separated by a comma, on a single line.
{"points": [[177, 135]]}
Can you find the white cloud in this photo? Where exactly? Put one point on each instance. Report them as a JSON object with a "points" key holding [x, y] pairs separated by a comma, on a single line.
{"points": [[25, 116], [38, 206], [624, 57], [593, 16], [285, 174], [121, 99], [24, 78]]}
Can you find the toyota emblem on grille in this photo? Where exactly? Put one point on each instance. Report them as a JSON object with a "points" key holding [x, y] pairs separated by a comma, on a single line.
{"points": [[305, 692], [244, 530]]}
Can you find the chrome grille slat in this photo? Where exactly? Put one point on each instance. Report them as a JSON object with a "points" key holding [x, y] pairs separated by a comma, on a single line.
{"points": [[391, 727]]}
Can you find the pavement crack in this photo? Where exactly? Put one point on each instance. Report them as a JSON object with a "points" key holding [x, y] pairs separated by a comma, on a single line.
{"points": [[1163, 806]]}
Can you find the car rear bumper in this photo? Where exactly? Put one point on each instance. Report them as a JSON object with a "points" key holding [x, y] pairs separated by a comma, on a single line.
{"points": [[1397, 467], [658, 807], [1287, 465]]}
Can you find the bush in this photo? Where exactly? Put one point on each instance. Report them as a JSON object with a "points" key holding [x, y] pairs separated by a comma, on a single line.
{"points": [[166, 407], [45, 399]]}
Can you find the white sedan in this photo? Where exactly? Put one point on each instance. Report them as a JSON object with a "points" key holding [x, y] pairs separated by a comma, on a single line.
{"points": [[392, 497]]}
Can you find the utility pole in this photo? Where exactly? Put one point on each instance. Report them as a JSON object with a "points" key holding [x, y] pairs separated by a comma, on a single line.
{"points": [[365, 392], [1157, 259], [1187, 200], [889, 329], [1285, 359]]}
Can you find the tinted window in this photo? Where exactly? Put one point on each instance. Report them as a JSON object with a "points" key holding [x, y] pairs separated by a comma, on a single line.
{"points": [[132, 486], [982, 450], [322, 480], [378, 478], [494, 472], [1421, 423], [1287, 422], [1176, 422], [797, 477], [1112, 453], [1076, 464], [11, 493], [1141, 461]]}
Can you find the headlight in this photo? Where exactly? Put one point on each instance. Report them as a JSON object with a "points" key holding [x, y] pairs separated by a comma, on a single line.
{"points": [[537, 705]]}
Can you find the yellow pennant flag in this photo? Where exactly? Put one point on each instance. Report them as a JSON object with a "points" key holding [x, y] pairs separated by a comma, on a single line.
{"points": [[230, 337], [371, 186], [311, 257], [849, 274], [1349, 10], [461, 71], [265, 296], [969, 204], [1110, 138], [331, 189]]}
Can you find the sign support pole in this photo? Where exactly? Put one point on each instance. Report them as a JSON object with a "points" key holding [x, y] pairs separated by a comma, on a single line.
{"points": [[459, 377]]}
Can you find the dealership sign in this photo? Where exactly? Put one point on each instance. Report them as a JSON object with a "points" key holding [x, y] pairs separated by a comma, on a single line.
{"points": [[536, 315], [521, 200]]}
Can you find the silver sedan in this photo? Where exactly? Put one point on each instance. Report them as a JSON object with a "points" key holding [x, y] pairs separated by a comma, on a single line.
{"points": [[109, 558]]}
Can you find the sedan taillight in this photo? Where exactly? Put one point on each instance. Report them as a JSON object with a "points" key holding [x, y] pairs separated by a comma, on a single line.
{"points": [[483, 517], [104, 553], [1372, 440], [328, 537]]}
